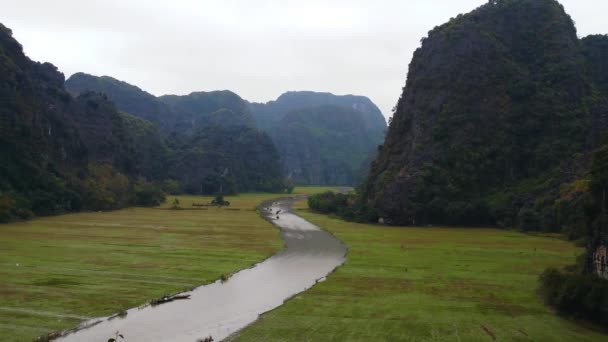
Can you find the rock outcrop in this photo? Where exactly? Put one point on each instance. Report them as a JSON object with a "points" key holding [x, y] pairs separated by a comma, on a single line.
{"points": [[497, 105]]}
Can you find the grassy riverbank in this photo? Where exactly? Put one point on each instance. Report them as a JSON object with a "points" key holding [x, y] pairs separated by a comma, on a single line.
{"points": [[427, 284], [56, 271]]}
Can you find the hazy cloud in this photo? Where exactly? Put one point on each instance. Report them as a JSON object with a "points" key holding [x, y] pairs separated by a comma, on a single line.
{"points": [[258, 49]]}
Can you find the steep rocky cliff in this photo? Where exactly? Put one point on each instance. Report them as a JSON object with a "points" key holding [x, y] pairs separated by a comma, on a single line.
{"points": [[323, 139], [498, 111], [51, 144]]}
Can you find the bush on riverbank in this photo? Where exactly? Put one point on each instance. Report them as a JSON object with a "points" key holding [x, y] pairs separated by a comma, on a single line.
{"points": [[345, 206], [577, 295]]}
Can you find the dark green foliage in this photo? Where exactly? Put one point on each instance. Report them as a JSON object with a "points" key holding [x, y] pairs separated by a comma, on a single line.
{"points": [[202, 109], [579, 291], [219, 201], [175, 205], [328, 202], [595, 49], [323, 139], [499, 111], [529, 220], [60, 153], [577, 295], [148, 194], [346, 206], [207, 141], [127, 97], [171, 187], [324, 145], [226, 159], [149, 153], [597, 212]]}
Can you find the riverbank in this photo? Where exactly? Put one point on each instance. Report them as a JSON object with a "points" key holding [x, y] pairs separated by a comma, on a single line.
{"points": [[420, 284], [58, 271]]}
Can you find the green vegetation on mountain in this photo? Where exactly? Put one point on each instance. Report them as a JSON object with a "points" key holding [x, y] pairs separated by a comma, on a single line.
{"points": [[201, 109], [496, 107], [150, 151], [128, 98], [226, 159], [577, 290], [322, 138], [58, 153], [205, 141], [595, 50], [65, 151]]}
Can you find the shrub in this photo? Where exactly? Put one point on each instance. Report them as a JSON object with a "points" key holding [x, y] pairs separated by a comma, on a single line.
{"points": [[528, 219], [344, 205], [219, 201], [7, 205], [171, 187], [329, 203], [148, 194], [574, 294]]}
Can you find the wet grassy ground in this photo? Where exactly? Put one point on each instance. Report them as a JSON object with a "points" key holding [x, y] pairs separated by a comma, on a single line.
{"points": [[427, 284], [56, 271]]}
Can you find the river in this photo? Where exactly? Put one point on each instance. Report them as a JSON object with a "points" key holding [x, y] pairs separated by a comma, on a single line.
{"points": [[222, 308]]}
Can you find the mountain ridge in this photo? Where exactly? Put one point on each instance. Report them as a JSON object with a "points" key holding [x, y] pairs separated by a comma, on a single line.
{"points": [[307, 116]]}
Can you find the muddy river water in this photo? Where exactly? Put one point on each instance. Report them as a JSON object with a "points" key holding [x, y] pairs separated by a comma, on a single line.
{"points": [[222, 308]]}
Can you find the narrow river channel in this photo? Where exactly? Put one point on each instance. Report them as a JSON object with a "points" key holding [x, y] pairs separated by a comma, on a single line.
{"points": [[222, 308]]}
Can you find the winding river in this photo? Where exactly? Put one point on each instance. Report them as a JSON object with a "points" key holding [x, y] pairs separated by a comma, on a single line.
{"points": [[222, 308]]}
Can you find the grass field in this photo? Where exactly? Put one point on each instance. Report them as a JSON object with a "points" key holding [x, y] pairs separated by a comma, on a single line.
{"points": [[56, 271], [427, 284]]}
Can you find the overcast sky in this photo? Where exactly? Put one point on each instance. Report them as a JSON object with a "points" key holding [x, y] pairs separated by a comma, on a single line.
{"points": [[258, 49]]}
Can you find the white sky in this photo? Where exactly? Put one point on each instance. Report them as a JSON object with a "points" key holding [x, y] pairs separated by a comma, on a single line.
{"points": [[256, 48]]}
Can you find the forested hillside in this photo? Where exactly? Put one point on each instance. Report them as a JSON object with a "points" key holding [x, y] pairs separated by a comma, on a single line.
{"points": [[127, 97], [322, 138], [209, 140], [63, 151], [60, 153]]}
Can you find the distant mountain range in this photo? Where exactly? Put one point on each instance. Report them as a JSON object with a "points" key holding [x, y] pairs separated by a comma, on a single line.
{"points": [[211, 137], [322, 139], [64, 148]]}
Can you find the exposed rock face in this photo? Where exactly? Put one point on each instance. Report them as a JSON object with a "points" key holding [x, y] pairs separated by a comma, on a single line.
{"points": [[323, 139], [495, 101]]}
